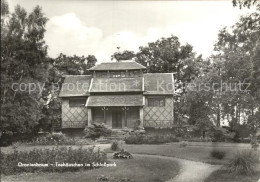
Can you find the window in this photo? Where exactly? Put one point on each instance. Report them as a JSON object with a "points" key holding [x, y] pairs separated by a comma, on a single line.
{"points": [[77, 102], [156, 102], [116, 74], [134, 73], [101, 74]]}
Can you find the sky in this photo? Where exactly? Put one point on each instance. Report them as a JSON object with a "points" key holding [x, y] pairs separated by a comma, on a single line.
{"points": [[99, 27]]}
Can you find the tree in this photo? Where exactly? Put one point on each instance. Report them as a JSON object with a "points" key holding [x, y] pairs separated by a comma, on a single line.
{"points": [[244, 3], [237, 49], [24, 62], [125, 55], [166, 55], [74, 65]]}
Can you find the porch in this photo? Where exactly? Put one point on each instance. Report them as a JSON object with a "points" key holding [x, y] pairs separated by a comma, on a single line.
{"points": [[116, 117], [116, 111]]}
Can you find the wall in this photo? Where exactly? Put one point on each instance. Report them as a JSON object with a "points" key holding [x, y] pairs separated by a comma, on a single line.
{"points": [[159, 116], [73, 117]]}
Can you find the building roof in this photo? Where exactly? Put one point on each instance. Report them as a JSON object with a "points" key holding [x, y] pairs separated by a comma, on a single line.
{"points": [[133, 84], [115, 100], [158, 83], [75, 86], [121, 65], [150, 84]]}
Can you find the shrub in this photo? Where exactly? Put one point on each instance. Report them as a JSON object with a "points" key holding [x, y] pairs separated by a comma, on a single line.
{"points": [[183, 143], [253, 141], [115, 146], [150, 139], [50, 157], [243, 163], [217, 136], [53, 139], [218, 154], [96, 130], [123, 154]]}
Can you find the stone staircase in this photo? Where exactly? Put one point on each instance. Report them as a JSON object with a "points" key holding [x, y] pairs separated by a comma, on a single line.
{"points": [[117, 134]]}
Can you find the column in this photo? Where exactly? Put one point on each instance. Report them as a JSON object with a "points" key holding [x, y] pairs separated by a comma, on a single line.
{"points": [[89, 117], [105, 117], [125, 118], [141, 112]]}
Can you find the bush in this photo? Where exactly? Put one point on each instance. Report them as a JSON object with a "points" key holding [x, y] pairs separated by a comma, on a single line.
{"points": [[53, 139], [115, 146], [253, 141], [218, 154], [243, 163], [96, 130], [217, 136], [50, 157], [123, 154], [183, 143], [150, 139]]}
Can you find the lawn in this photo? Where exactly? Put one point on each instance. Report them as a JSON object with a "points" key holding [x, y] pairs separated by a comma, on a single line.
{"points": [[194, 151], [139, 169], [223, 175]]}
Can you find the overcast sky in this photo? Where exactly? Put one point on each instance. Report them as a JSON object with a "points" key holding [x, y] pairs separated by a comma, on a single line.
{"points": [[98, 27]]}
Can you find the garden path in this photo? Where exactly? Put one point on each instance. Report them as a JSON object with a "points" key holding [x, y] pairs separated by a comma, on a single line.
{"points": [[190, 171]]}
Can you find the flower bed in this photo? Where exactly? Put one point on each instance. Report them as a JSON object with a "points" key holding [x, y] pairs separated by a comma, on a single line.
{"points": [[58, 159], [150, 139]]}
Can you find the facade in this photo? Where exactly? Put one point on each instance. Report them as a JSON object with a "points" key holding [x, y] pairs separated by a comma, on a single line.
{"points": [[120, 95]]}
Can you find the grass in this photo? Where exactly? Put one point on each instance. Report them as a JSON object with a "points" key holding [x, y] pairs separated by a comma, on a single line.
{"points": [[195, 153], [224, 175], [139, 169]]}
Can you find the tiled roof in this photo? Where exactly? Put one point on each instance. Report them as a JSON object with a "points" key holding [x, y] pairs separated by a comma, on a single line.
{"points": [[158, 83], [117, 84], [75, 85], [115, 100], [122, 65]]}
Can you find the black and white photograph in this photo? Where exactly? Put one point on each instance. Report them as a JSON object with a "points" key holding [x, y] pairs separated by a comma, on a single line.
{"points": [[130, 91]]}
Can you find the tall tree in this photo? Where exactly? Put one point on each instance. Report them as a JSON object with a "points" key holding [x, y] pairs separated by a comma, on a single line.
{"points": [[74, 65], [125, 55], [24, 63]]}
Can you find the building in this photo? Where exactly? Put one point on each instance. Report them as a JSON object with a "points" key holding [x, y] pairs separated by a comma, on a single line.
{"points": [[118, 94]]}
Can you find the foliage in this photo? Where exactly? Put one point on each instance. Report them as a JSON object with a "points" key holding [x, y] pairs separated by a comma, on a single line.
{"points": [[243, 163], [74, 65], [217, 135], [180, 132], [183, 144], [253, 141], [9, 162], [244, 3], [53, 139], [125, 55], [25, 63], [96, 130], [150, 139], [123, 154], [115, 146], [217, 154], [24, 60]]}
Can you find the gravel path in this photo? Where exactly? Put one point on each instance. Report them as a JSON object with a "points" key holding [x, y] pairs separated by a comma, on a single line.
{"points": [[190, 171]]}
